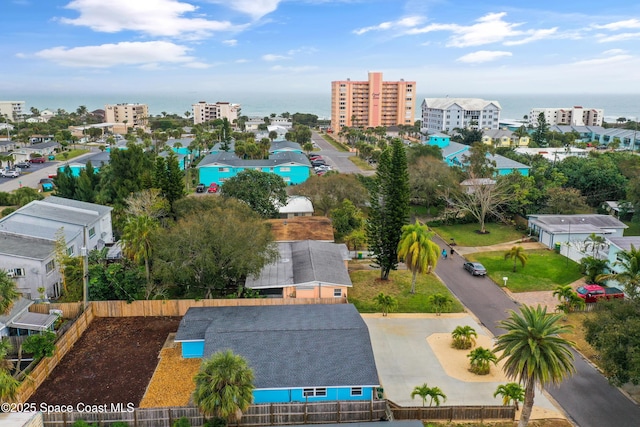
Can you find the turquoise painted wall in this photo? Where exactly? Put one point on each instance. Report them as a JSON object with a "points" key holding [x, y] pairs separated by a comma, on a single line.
{"points": [[286, 150], [76, 169], [296, 395], [440, 141], [193, 349], [295, 174]]}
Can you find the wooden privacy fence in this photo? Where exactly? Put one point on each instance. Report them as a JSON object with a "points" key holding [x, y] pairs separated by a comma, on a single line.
{"points": [[454, 413], [179, 307], [256, 415], [46, 365], [70, 310]]}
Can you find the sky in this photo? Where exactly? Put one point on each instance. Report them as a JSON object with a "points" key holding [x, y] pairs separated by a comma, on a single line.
{"points": [[300, 46]]}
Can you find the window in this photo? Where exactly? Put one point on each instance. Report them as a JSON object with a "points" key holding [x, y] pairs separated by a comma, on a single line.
{"points": [[337, 293], [16, 272], [50, 266], [92, 232], [70, 251], [314, 392], [223, 170], [356, 391], [285, 169]]}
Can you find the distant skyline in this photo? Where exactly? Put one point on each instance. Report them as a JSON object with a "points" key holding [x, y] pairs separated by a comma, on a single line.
{"points": [[289, 46]]}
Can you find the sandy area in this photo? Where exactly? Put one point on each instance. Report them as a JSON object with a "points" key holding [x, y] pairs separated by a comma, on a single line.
{"points": [[456, 364]]}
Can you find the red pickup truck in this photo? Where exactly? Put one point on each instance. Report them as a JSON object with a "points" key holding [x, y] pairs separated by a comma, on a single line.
{"points": [[592, 293]]}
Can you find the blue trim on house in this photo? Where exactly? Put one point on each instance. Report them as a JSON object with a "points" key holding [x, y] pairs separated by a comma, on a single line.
{"points": [[297, 395]]}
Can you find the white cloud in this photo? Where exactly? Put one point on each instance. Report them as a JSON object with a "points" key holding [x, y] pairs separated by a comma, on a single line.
{"points": [[241, 61], [614, 52], [270, 57], [619, 25], [483, 56], [125, 53], [231, 42], [408, 22], [162, 18], [602, 61], [254, 8], [617, 37], [490, 28]]}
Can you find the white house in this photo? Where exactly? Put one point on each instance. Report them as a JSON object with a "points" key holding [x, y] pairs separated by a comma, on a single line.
{"points": [[296, 206], [28, 236]]}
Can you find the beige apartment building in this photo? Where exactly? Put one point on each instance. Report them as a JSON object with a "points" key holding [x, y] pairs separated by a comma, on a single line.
{"points": [[12, 110], [133, 115], [372, 103], [574, 116], [204, 111]]}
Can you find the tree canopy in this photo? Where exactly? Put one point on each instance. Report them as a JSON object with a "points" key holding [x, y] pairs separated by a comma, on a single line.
{"points": [[264, 192]]}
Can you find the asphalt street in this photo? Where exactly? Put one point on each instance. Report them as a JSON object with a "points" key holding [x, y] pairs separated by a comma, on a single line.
{"points": [[339, 160], [587, 398]]}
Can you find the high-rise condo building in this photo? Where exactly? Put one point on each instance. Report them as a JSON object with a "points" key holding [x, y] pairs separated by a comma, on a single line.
{"points": [[12, 110], [134, 115], [446, 114], [372, 103], [204, 112]]}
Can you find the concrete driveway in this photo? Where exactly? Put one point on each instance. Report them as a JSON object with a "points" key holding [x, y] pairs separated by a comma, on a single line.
{"points": [[405, 359]]}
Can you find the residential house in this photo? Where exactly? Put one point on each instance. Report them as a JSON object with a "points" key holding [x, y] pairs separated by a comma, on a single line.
{"points": [[617, 245], [556, 230], [294, 168], [21, 322], [43, 149], [296, 206], [97, 160], [617, 209], [456, 154], [182, 158], [447, 114], [28, 236], [298, 353], [554, 154], [469, 185], [504, 138], [305, 269]]}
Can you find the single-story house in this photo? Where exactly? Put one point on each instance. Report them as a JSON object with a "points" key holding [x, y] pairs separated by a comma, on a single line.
{"points": [[182, 158], [504, 138], [469, 185], [298, 353], [620, 244], [294, 168], [296, 206], [43, 149], [552, 229], [617, 208], [20, 321], [305, 269], [553, 154], [456, 154], [97, 160]]}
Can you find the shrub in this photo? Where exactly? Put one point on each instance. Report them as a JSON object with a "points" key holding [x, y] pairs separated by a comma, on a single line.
{"points": [[182, 422]]}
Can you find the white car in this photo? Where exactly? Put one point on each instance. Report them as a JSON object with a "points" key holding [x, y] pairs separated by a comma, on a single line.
{"points": [[9, 173], [322, 168]]}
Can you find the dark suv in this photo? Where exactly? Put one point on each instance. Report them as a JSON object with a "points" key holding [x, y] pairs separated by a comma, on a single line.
{"points": [[200, 188], [23, 165]]}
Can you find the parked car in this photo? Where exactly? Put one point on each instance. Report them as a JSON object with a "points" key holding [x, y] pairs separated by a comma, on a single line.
{"points": [[318, 162], [593, 293], [314, 156], [322, 168], [213, 188], [9, 173], [475, 268], [38, 160], [22, 165], [200, 188]]}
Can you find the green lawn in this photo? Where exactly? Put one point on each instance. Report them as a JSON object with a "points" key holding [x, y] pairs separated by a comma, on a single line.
{"points": [[362, 164], [466, 235], [337, 145], [544, 270], [70, 154], [366, 285], [633, 230]]}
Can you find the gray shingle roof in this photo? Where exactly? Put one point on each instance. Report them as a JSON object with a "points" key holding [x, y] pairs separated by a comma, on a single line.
{"points": [[230, 159], [318, 345], [625, 243], [281, 145], [25, 247], [65, 210], [588, 223], [302, 262], [55, 200]]}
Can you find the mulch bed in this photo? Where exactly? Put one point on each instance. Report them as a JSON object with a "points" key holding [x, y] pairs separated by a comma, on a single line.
{"points": [[112, 362]]}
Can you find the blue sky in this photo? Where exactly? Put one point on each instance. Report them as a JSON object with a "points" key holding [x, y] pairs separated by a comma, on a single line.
{"points": [[292, 46]]}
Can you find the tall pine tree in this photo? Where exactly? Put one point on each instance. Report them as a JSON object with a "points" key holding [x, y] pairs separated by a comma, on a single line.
{"points": [[389, 208]]}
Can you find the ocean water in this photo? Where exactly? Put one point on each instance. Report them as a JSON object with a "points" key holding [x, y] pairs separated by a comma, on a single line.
{"points": [[514, 106]]}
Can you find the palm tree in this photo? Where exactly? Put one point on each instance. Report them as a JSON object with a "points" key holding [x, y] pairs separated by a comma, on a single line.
{"points": [[308, 147], [595, 242], [481, 359], [533, 351], [136, 236], [8, 292], [517, 253], [386, 303], [439, 302], [224, 386], [424, 391], [510, 392], [563, 293], [593, 267], [464, 337], [418, 251], [628, 274], [5, 346]]}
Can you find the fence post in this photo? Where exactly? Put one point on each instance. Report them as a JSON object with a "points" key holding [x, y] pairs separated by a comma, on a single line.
{"points": [[450, 413], [371, 410], [338, 412], [305, 413], [170, 418], [271, 415], [64, 419], [135, 418]]}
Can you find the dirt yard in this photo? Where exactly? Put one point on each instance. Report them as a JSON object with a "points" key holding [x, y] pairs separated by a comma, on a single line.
{"points": [[112, 362]]}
